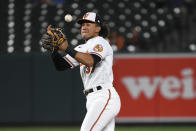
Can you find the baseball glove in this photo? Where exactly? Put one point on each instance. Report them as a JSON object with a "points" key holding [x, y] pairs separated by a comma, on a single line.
{"points": [[53, 38]]}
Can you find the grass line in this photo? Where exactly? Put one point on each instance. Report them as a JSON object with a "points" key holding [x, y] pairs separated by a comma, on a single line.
{"points": [[117, 129]]}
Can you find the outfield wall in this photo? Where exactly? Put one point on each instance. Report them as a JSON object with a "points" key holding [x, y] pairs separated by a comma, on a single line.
{"points": [[156, 87], [32, 91], [153, 88]]}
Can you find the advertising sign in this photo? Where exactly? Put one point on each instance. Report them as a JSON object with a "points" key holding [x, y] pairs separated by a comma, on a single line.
{"points": [[156, 88]]}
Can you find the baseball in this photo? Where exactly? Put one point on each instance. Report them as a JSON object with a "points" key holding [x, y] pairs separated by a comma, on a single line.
{"points": [[68, 18]]}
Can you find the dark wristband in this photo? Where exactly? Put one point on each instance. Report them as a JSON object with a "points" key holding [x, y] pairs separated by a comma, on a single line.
{"points": [[71, 51]]}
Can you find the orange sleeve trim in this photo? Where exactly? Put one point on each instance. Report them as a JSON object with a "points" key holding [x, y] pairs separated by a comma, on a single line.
{"points": [[102, 110], [69, 61]]}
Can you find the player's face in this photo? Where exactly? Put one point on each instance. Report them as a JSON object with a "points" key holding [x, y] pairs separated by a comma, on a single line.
{"points": [[89, 30]]}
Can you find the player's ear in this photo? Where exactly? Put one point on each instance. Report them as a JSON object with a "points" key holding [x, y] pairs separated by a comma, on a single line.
{"points": [[98, 29]]}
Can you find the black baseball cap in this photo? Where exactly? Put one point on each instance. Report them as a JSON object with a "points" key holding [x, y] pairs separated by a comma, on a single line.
{"points": [[90, 17]]}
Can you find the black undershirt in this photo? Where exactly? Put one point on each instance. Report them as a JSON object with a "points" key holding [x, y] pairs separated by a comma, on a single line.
{"points": [[61, 64]]}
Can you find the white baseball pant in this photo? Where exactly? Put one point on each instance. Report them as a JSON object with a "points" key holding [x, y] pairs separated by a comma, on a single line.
{"points": [[102, 108]]}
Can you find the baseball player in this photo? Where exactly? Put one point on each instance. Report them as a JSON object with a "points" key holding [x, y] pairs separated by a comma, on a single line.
{"points": [[95, 59]]}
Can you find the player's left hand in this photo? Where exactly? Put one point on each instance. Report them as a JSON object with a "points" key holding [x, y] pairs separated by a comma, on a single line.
{"points": [[53, 39]]}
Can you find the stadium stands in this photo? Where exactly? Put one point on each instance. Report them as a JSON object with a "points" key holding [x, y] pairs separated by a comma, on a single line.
{"points": [[146, 25]]}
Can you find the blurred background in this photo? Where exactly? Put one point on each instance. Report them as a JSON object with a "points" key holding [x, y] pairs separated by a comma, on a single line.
{"points": [[136, 26], [161, 32]]}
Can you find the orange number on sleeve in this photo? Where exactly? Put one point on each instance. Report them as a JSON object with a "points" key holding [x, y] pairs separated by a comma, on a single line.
{"points": [[88, 69]]}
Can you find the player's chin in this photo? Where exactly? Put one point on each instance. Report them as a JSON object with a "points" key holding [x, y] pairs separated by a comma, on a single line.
{"points": [[85, 36]]}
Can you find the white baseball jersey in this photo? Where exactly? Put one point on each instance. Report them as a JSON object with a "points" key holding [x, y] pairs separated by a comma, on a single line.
{"points": [[101, 74], [102, 105]]}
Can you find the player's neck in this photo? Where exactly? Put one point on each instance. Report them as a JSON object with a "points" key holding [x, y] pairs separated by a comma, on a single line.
{"points": [[90, 38]]}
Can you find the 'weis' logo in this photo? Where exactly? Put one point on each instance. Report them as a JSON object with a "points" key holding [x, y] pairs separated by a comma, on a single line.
{"points": [[171, 87]]}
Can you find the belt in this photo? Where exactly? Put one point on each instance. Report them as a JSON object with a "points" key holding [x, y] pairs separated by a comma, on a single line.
{"points": [[86, 92]]}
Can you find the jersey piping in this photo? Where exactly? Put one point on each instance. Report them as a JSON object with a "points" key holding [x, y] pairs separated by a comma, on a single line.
{"points": [[69, 61], [102, 110]]}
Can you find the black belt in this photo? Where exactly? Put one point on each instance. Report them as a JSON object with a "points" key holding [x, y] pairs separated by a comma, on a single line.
{"points": [[86, 92]]}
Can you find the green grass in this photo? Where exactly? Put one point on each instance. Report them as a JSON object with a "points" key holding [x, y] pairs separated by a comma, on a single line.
{"points": [[117, 129]]}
